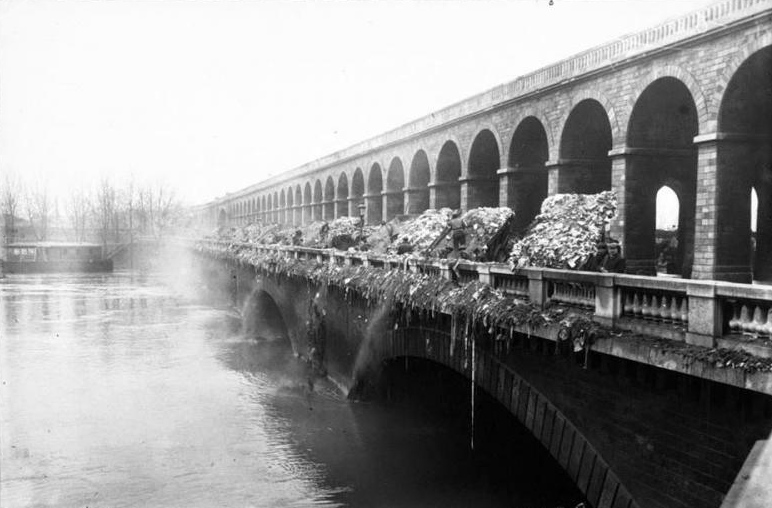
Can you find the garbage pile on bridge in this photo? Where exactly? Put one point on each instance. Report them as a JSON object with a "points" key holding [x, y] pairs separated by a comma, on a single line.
{"points": [[482, 225], [566, 231]]}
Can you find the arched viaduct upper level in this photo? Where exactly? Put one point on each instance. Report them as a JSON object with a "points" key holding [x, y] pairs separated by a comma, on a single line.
{"points": [[685, 104]]}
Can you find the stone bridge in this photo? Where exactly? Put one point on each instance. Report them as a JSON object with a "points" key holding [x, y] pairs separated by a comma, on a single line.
{"points": [[685, 104], [645, 416]]}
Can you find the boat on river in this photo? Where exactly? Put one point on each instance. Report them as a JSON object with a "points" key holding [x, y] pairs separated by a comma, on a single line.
{"points": [[48, 257]]}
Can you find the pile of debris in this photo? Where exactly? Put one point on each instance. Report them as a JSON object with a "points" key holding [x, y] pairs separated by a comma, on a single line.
{"points": [[566, 232]]}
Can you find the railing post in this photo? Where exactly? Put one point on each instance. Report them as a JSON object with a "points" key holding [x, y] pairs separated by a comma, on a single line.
{"points": [[365, 260], [445, 272], [537, 290], [608, 300], [484, 274], [705, 320]]}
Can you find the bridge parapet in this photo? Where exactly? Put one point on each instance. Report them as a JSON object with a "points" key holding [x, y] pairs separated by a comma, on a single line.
{"points": [[705, 313]]}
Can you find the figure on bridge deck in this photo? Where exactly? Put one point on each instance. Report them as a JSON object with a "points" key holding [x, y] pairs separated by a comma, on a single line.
{"points": [[297, 238], [457, 234], [404, 247], [614, 262], [595, 261]]}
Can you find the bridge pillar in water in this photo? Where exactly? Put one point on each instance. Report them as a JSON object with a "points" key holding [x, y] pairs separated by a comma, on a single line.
{"points": [[523, 188], [722, 229]]}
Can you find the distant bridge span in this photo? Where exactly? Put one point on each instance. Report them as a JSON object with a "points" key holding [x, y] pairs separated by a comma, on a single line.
{"points": [[685, 104]]}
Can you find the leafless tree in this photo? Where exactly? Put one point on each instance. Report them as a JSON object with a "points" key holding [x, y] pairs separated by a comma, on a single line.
{"points": [[9, 203], [103, 209], [38, 204], [157, 208], [78, 208]]}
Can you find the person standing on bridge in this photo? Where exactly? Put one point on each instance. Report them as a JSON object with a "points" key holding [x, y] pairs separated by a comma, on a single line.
{"points": [[614, 262]]}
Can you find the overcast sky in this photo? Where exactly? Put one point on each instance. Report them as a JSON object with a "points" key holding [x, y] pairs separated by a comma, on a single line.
{"points": [[214, 96]]}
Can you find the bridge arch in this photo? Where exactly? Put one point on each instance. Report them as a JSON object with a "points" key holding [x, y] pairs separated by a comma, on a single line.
{"points": [[699, 97], [298, 212], [526, 174], [357, 191], [316, 209], [290, 215], [262, 317], [269, 218], [307, 200], [584, 165], [561, 437], [282, 207], [418, 183], [341, 196], [660, 151], [446, 185], [374, 196], [395, 184], [276, 209], [328, 210], [265, 209], [744, 162], [222, 218], [480, 186]]}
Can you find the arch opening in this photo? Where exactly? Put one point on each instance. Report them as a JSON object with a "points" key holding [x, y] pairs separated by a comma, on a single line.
{"points": [[395, 183], [585, 166], [482, 181], [329, 200], [660, 137], [298, 212], [374, 198], [669, 253], [744, 162], [316, 209], [357, 192], [527, 183], [263, 318], [446, 185], [341, 206], [307, 198], [418, 192]]}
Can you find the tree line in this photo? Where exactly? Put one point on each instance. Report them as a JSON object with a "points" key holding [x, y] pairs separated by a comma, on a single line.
{"points": [[105, 212]]}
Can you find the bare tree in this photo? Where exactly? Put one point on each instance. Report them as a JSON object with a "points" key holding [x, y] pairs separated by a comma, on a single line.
{"points": [[9, 203], [38, 204], [157, 208], [103, 209], [78, 207]]}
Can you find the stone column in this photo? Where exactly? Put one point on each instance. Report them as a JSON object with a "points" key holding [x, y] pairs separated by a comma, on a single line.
{"points": [[392, 205], [417, 199], [722, 226], [581, 176], [374, 210], [476, 192], [523, 188], [635, 224], [442, 194]]}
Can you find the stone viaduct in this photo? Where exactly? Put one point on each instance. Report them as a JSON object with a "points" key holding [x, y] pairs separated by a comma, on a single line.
{"points": [[686, 104]]}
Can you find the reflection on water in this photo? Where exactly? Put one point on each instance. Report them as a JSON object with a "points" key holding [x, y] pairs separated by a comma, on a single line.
{"points": [[123, 390]]}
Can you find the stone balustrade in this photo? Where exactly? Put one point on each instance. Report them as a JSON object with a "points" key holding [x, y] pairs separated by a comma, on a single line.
{"points": [[698, 312]]}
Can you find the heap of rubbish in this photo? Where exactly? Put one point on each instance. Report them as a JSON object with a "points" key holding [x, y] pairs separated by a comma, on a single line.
{"points": [[566, 232], [563, 235]]}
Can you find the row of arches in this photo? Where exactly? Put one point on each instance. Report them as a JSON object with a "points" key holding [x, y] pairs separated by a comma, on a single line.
{"points": [[662, 147]]}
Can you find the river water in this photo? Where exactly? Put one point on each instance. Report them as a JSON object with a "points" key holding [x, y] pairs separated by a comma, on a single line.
{"points": [[128, 389]]}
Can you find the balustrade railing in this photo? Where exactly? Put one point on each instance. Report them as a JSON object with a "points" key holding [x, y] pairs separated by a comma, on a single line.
{"points": [[746, 311], [695, 311], [654, 305], [575, 294]]}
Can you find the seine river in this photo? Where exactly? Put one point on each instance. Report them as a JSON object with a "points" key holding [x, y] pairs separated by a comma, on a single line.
{"points": [[130, 389]]}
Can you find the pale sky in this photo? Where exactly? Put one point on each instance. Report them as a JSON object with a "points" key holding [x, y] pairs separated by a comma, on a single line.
{"points": [[213, 96]]}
